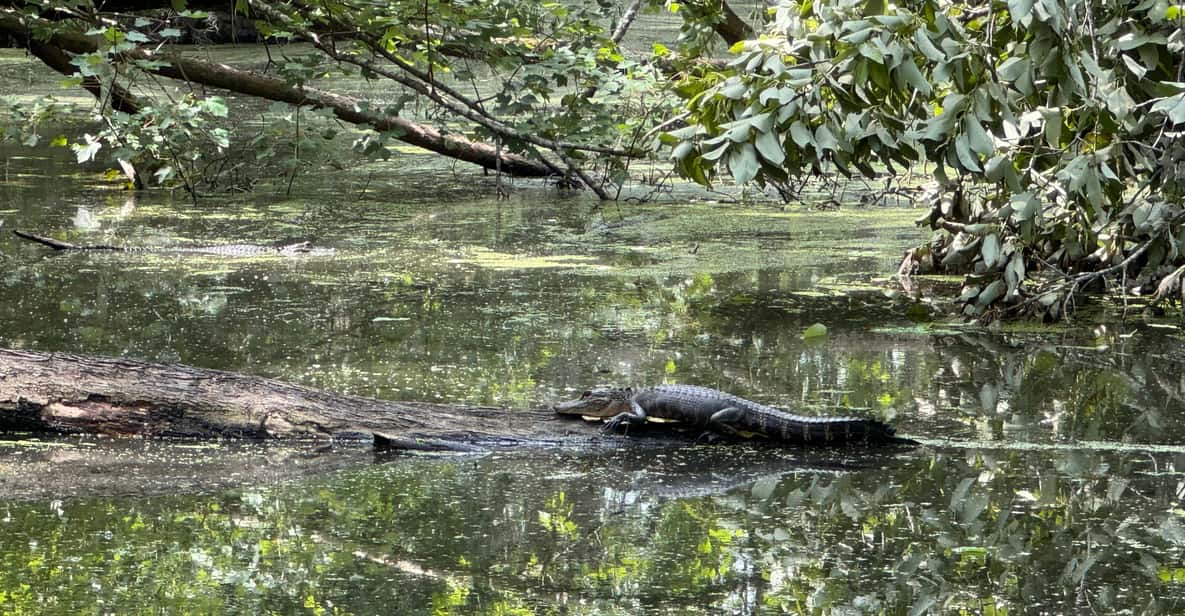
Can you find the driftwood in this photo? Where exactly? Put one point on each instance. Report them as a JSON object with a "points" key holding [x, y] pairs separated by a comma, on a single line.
{"points": [[72, 394]]}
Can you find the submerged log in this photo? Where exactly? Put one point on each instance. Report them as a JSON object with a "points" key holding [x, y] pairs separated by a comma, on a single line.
{"points": [[71, 394]]}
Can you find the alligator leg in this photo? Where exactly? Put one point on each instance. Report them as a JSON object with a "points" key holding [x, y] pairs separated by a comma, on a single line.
{"points": [[636, 415], [725, 420]]}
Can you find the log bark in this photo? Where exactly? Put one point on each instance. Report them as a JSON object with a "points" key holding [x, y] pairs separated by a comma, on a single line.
{"points": [[732, 28], [58, 60], [71, 394]]}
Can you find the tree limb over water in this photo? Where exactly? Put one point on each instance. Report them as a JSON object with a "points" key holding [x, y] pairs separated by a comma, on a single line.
{"points": [[346, 108]]}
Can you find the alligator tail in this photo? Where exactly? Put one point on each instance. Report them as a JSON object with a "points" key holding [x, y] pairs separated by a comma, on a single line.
{"points": [[56, 245], [843, 430]]}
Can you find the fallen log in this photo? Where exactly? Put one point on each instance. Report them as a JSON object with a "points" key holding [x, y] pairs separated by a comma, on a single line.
{"points": [[63, 393], [72, 394]]}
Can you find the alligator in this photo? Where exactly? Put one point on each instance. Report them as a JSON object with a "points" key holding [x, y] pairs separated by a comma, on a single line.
{"points": [[724, 413], [222, 250]]}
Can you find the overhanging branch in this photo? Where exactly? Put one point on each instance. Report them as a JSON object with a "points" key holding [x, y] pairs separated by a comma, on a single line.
{"points": [[349, 109]]}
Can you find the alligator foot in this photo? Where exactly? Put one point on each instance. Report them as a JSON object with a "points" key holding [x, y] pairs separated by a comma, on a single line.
{"points": [[612, 425], [620, 423]]}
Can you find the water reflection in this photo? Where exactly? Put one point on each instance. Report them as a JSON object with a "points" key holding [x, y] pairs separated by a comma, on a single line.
{"points": [[1061, 492], [636, 530]]}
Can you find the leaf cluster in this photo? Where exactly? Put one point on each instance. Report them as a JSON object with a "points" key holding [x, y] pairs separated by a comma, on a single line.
{"points": [[1051, 128]]}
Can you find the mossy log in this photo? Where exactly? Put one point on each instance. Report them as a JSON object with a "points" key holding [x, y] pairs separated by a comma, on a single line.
{"points": [[72, 394]]}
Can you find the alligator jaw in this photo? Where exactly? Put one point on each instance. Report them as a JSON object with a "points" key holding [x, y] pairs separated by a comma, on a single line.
{"points": [[596, 403]]}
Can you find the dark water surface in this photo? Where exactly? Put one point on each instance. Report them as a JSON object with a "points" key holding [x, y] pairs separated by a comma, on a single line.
{"points": [[1050, 482]]}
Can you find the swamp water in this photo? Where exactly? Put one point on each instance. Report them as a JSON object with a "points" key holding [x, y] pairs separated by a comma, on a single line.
{"points": [[1049, 482]]}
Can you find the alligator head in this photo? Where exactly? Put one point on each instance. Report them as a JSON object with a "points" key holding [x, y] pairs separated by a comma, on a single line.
{"points": [[304, 248], [606, 402], [297, 248]]}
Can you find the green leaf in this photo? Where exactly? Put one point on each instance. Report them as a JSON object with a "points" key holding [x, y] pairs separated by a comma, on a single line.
{"points": [[893, 22], [798, 77], [686, 132], [1014, 273], [1053, 126], [994, 169], [1094, 188], [769, 145], [914, 77], [692, 168], [1020, 10], [859, 32], [1024, 206], [991, 293], [682, 150], [927, 47], [1011, 69], [990, 250], [939, 127], [872, 53], [737, 131], [715, 155], [818, 330], [1131, 40], [825, 138], [761, 122], [966, 157], [774, 65], [874, 7], [978, 139], [734, 91], [1120, 103], [801, 134], [1173, 106], [1075, 171], [1135, 67], [215, 106], [743, 164]]}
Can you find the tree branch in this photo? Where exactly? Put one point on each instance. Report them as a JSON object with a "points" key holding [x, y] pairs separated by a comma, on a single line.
{"points": [[349, 109], [57, 59], [732, 29], [425, 84]]}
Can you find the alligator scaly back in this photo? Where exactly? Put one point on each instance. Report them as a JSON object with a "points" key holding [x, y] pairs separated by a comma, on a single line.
{"points": [[222, 250], [708, 408]]}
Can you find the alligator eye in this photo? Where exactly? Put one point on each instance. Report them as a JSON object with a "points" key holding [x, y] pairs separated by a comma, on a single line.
{"points": [[585, 395]]}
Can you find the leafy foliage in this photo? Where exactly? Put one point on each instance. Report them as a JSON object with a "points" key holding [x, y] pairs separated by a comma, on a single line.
{"points": [[1052, 127], [543, 81]]}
